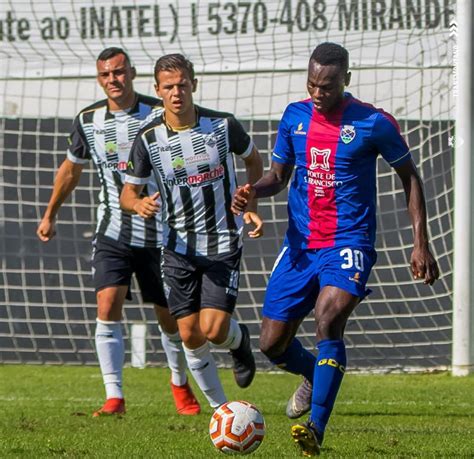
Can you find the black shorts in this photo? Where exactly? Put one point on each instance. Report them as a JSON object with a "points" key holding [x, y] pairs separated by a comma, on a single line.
{"points": [[196, 282], [113, 263]]}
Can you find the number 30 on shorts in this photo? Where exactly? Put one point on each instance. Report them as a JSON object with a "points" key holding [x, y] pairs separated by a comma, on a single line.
{"points": [[352, 257]]}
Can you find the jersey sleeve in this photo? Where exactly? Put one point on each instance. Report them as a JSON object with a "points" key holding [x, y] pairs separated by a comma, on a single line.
{"points": [[388, 140], [240, 142], [139, 167], [283, 151], [78, 151]]}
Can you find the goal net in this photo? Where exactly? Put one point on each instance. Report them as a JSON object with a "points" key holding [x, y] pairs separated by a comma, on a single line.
{"points": [[251, 59]]}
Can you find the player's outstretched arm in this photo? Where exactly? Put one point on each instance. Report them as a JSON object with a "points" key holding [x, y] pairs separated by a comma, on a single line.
{"points": [[423, 263], [66, 180], [254, 170], [130, 201]]}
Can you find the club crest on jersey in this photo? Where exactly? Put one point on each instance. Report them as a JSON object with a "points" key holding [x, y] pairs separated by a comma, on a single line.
{"points": [[320, 159], [210, 139], [348, 133], [111, 148]]}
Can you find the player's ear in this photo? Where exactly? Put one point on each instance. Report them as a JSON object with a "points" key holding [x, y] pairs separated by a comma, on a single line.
{"points": [[157, 89], [195, 83], [134, 73], [347, 79]]}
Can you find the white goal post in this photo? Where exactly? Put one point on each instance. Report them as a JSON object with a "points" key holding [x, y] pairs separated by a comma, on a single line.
{"points": [[251, 58], [463, 275]]}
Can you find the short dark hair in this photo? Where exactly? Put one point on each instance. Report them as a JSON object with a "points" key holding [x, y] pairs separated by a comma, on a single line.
{"points": [[331, 54], [174, 62], [113, 51]]}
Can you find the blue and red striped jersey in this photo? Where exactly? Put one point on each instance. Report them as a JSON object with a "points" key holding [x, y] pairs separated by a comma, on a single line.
{"points": [[332, 197]]}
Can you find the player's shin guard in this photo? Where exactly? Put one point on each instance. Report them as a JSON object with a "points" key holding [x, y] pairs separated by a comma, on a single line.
{"points": [[296, 359], [173, 347], [204, 371], [110, 352], [328, 374]]}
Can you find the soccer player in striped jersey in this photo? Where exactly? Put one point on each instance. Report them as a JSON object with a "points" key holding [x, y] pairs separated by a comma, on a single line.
{"points": [[191, 151], [123, 244], [331, 141]]}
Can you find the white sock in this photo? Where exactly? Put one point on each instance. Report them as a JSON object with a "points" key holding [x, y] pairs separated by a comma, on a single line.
{"points": [[234, 337], [110, 351], [204, 370], [173, 347]]}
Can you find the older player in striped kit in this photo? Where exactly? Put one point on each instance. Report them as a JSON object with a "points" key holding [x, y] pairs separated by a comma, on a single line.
{"points": [[191, 151], [123, 244]]}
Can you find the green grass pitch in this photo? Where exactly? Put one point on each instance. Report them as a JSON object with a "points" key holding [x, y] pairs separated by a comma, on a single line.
{"points": [[46, 412]]}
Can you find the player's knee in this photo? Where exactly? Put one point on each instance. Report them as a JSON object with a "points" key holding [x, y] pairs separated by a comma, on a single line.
{"points": [[167, 322], [215, 327], [187, 335], [191, 335], [109, 303], [330, 327], [215, 336], [109, 312]]}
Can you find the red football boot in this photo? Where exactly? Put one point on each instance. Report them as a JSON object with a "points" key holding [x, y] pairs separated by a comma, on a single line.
{"points": [[111, 406], [185, 401]]}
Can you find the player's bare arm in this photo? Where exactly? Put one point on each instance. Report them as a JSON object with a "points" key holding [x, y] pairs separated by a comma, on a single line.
{"points": [[274, 181], [423, 263], [132, 201], [66, 180], [254, 169]]}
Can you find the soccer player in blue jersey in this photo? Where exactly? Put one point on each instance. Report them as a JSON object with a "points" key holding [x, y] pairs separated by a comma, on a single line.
{"points": [[331, 141], [123, 244]]}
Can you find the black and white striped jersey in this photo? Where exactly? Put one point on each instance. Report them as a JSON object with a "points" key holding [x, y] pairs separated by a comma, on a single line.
{"points": [[196, 178], [106, 137]]}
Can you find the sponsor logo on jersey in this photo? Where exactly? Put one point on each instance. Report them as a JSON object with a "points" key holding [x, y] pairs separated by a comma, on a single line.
{"points": [[177, 163], [119, 165], [320, 159], [299, 130], [125, 145], [203, 158], [99, 131], [348, 133], [198, 179], [207, 177], [110, 148], [163, 149]]}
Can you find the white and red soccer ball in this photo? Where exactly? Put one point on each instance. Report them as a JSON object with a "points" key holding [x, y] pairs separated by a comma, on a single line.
{"points": [[237, 428]]}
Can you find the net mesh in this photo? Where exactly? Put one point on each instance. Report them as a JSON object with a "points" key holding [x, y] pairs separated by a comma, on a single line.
{"points": [[251, 60]]}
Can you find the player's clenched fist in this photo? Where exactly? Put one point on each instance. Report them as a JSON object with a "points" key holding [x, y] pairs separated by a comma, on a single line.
{"points": [[424, 265], [241, 198], [46, 230], [147, 207]]}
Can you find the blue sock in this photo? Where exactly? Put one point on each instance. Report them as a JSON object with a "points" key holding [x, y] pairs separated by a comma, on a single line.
{"points": [[328, 374], [296, 359]]}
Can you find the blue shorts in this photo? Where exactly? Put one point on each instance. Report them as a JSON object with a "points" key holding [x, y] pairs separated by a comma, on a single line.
{"points": [[299, 275]]}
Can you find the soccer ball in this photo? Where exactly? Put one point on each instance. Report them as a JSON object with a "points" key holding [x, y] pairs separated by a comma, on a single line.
{"points": [[237, 428]]}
